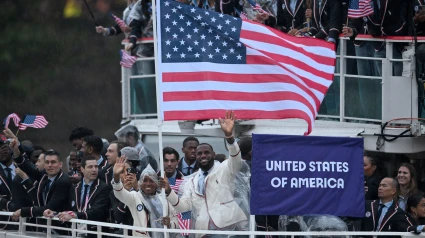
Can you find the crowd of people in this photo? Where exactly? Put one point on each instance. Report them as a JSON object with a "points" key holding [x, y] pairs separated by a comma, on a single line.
{"points": [[123, 184]]}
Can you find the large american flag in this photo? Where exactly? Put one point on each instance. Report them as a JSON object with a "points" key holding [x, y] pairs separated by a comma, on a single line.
{"points": [[211, 62], [15, 117], [34, 121], [360, 8], [185, 217]]}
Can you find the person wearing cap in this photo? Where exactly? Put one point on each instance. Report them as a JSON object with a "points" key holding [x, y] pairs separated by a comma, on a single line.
{"points": [[145, 205], [209, 192]]}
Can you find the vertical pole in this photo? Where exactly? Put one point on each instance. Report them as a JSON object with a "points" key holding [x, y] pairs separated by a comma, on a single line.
{"points": [[342, 72], [157, 53], [99, 231], [252, 225], [74, 229], [49, 228]]}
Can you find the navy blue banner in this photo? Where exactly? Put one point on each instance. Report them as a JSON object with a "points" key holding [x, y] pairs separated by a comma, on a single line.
{"points": [[300, 175]]}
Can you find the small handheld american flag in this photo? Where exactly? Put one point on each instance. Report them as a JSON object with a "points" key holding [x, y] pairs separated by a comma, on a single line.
{"points": [[360, 8], [15, 117], [127, 60], [34, 121], [185, 217], [184, 221], [120, 22]]}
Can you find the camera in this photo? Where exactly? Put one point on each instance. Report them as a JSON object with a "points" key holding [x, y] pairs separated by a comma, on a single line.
{"points": [[80, 155], [131, 171]]}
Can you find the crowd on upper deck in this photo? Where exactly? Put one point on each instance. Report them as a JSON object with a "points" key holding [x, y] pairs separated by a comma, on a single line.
{"points": [[120, 182]]}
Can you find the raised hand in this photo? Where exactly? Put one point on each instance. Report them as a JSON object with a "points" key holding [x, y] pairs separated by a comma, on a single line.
{"points": [[9, 134], [14, 146], [228, 123], [119, 168]]}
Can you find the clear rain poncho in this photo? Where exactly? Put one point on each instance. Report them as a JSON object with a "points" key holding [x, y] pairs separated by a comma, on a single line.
{"points": [[312, 223], [241, 194], [153, 202], [130, 130]]}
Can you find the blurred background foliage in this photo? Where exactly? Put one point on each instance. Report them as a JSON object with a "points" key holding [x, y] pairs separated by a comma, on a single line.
{"points": [[52, 62]]}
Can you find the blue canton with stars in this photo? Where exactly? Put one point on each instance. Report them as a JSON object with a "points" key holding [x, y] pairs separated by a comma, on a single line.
{"points": [[190, 34]]}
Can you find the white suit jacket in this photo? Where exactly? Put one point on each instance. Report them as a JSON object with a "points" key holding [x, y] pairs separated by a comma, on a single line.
{"points": [[218, 204], [135, 202]]}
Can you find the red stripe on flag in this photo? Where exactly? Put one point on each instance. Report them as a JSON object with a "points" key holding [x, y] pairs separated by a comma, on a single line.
{"points": [[220, 95], [281, 42], [310, 83], [243, 78], [241, 114]]}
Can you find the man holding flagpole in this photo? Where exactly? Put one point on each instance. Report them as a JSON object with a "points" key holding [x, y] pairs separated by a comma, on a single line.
{"points": [[209, 193]]}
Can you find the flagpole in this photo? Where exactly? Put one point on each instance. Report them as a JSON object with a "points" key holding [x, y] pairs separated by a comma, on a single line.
{"points": [[91, 13], [158, 79]]}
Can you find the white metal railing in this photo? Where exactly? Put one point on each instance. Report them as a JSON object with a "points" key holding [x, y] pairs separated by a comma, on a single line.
{"points": [[74, 230]]}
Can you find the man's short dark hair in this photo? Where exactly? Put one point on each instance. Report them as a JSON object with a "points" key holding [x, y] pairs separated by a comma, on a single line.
{"points": [[80, 132], [120, 144], [52, 153], [38, 147], [208, 145], [95, 142], [245, 145], [190, 138], [170, 151], [85, 159]]}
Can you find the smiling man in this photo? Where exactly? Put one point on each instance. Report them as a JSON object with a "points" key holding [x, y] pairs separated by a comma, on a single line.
{"points": [[209, 193], [89, 198], [52, 187]]}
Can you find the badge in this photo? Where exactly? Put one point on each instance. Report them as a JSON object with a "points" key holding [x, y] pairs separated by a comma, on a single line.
{"points": [[73, 204], [365, 19], [325, 13], [389, 228], [367, 214], [389, 12], [139, 207], [89, 206], [241, 2], [283, 6], [416, 8]]}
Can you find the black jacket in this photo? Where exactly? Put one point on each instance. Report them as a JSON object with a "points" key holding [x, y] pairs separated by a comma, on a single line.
{"points": [[327, 20], [180, 167], [286, 19], [389, 20], [57, 197], [121, 212], [372, 183], [394, 220], [420, 27], [15, 197], [107, 174], [98, 203]]}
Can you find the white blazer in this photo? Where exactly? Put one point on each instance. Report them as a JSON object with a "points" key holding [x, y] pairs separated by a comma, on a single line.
{"points": [[218, 205], [135, 202]]}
